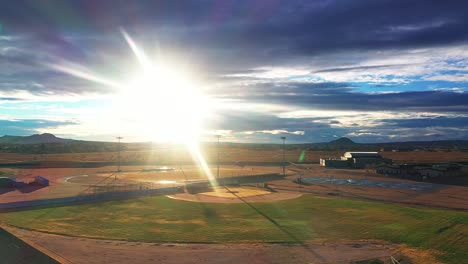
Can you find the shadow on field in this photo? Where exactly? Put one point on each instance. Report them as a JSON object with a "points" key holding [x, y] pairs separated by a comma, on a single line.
{"points": [[208, 212], [14, 250], [30, 188], [85, 199], [5, 190], [277, 225]]}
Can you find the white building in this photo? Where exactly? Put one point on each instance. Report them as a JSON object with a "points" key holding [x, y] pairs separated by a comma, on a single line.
{"points": [[356, 160]]}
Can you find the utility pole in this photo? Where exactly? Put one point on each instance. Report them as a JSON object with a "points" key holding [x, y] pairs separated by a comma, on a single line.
{"points": [[217, 174], [284, 159], [118, 155]]}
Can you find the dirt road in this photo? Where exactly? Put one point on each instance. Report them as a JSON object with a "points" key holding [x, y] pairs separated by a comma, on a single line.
{"points": [[85, 250]]}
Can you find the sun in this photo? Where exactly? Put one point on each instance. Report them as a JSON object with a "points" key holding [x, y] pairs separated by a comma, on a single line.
{"points": [[163, 104]]}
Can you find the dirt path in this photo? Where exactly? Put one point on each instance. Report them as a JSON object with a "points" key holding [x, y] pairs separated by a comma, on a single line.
{"points": [[84, 250]]}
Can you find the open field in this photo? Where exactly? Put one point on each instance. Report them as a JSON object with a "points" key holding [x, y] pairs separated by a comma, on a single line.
{"points": [[159, 219], [425, 156], [319, 215], [65, 182], [169, 156], [229, 154], [432, 195]]}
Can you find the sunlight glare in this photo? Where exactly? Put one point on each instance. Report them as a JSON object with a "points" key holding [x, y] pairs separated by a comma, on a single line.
{"points": [[163, 102], [195, 151]]}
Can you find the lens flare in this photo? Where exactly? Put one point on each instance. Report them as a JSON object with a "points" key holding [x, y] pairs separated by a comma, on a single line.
{"points": [[196, 153], [161, 103]]}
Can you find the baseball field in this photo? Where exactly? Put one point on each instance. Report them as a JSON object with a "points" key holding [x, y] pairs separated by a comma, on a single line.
{"points": [[278, 223], [296, 221]]}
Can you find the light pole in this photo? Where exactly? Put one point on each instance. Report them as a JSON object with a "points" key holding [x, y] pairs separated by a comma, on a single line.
{"points": [[118, 155], [284, 161], [217, 174]]}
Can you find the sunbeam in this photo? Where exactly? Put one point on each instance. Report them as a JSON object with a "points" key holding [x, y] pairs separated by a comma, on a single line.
{"points": [[194, 149], [85, 75], [162, 103]]}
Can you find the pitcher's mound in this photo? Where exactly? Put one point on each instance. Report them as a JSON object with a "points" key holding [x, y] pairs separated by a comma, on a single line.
{"points": [[236, 195]]}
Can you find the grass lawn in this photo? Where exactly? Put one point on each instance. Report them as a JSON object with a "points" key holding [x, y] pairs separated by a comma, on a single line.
{"points": [[157, 219]]}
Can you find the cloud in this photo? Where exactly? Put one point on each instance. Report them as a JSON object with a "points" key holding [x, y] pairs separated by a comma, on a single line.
{"points": [[439, 121], [341, 96], [368, 69], [274, 132], [24, 127], [450, 78], [359, 68]]}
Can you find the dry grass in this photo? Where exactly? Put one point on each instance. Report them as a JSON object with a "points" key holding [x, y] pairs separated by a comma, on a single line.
{"points": [[425, 156], [177, 155], [159, 219]]}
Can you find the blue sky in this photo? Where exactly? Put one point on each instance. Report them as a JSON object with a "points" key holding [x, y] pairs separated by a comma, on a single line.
{"points": [[373, 71]]}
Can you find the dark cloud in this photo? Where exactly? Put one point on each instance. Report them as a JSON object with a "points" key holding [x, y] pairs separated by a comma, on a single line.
{"points": [[442, 121], [232, 36], [236, 38], [341, 96], [254, 127], [10, 99], [294, 25], [342, 69], [239, 121]]}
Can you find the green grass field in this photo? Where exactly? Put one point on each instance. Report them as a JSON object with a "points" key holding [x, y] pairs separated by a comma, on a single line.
{"points": [[158, 219]]}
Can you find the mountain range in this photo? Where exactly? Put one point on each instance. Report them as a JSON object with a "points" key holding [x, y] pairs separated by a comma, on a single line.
{"points": [[34, 139], [338, 144], [347, 144]]}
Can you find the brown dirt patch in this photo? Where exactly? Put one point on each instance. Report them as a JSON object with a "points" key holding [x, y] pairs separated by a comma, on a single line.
{"points": [[234, 192], [85, 250], [272, 197]]}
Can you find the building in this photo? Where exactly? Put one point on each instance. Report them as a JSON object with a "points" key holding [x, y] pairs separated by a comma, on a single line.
{"points": [[356, 160], [334, 163], [388, 170], [365, 159]]}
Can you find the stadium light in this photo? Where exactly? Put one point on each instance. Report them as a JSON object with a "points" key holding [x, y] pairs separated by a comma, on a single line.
{"points": [[118, 155], [217, 174], [284, 159]]}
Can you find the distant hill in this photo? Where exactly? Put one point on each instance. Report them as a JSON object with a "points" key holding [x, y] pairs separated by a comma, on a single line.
{"points": [[49, 143], [342, 141], [347, 144], [33, 139]]}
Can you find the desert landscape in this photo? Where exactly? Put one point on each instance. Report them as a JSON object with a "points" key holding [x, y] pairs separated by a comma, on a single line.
{"points": [[247, 131], [293, 215]]}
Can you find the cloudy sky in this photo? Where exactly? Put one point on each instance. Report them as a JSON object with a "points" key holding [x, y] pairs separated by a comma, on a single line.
{"points": [[373, 71]]}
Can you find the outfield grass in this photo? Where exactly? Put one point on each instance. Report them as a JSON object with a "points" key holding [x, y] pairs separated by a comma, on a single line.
{"points": [[307, 218]]}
